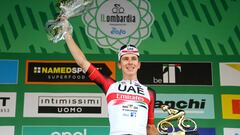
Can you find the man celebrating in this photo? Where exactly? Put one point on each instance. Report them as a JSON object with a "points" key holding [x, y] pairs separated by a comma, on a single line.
{"points": [[130, 104]]}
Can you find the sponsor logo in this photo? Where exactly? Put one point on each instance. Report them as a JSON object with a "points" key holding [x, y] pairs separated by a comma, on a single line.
{"points": [[231, 131], [65, 130], [54, 72], [169, 73], [236, 106], [230, 74], [159, 73], [116, 22], [8, 71], [206, 131], [131, 89], [64, 105], [195, 105], [69, 104], [182, 104], [231, 106], [130, 110], [7, 104], [69, 133], [117, 17], [203, 131], [3, 104], [7, 130], [85, 130]]}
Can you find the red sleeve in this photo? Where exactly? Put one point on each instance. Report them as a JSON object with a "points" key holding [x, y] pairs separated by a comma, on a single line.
{"points": [[99, 78], [151, 106]]}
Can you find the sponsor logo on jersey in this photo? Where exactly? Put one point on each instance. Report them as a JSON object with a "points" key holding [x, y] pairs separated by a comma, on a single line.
{"points": [[195, 105], [129, 110], [64, 105], [64, 72], [8, 71], [7, 104], [230, 74], [131, 89], [231, 106], [122, 96], [163, 73]]}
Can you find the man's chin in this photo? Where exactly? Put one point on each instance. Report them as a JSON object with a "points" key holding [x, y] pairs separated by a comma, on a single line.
{"points": [[131, 73]]}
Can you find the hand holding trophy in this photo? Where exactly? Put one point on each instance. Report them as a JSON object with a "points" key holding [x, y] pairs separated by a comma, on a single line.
{"points": [[56, 29]]}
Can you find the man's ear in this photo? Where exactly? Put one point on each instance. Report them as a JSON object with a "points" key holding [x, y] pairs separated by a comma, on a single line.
{"points": [[139, 65]]}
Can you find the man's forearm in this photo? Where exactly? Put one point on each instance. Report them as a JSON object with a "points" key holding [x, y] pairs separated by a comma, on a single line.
{"points": [[76, 52]]}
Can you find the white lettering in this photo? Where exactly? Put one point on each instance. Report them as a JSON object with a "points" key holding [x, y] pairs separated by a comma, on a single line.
{"points": [[157, 80], [68, 110], [69, 133], [169, 72]]}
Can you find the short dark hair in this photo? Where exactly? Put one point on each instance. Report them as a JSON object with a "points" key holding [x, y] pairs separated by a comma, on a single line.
{"points": [[124, 46]]}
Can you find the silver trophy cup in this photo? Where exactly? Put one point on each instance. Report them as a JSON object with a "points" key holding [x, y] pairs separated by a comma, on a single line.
{"points": [[68, 9]]}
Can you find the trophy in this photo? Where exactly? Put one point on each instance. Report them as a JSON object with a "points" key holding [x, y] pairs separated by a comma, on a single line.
{"points": [[57, 28], [186, 125]]}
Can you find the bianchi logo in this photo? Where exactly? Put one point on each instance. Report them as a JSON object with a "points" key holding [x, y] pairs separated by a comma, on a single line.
{"points": [[114, 23]]}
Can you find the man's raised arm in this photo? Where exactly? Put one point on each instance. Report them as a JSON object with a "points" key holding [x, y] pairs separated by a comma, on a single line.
{"points": [[76, 52]]}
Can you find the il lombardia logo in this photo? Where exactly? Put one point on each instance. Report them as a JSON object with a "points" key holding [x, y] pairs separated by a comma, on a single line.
{"points": [[113, 23]]}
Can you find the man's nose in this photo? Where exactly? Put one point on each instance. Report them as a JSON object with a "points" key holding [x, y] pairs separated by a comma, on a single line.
{"points": [[129, 61]]}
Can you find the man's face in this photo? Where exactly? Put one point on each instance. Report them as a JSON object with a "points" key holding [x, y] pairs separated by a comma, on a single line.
{"points": [[129, 64]]}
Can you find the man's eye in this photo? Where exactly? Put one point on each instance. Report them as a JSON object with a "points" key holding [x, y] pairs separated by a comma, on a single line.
{"points": [[134, 58], [125, 58]]}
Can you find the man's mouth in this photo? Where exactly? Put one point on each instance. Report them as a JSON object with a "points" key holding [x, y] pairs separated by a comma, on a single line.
{"points": [[130, 68]]}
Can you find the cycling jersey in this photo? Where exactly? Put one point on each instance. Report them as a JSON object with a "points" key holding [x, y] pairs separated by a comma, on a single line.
{"points": [[130, 104]]}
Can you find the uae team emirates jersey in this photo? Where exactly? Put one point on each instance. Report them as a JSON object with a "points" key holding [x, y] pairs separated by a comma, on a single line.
{"points": [[130, 104]]}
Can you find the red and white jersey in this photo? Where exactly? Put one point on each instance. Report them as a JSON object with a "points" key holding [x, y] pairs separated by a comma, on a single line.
{"points": [[130, 104]]}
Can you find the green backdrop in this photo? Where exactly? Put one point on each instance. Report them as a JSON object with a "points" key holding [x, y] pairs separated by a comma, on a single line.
{"points": [[183, 30]]}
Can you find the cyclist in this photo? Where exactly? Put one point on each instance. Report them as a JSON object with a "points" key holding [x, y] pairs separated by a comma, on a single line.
{"points": [[130, 104]]}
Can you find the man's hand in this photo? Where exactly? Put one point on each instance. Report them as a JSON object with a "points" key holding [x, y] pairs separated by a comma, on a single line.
{"points": [[152, 130], [64, 25]]}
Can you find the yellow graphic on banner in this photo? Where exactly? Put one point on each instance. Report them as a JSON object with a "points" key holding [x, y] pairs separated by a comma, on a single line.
{"points": [[231, 106], [235, 66], [230, 74]]}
